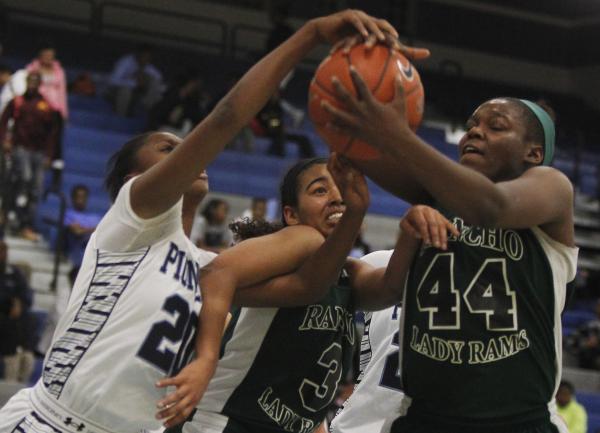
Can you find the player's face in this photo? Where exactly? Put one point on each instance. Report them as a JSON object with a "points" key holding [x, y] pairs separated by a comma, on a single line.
{"points": [[157, 148], [319, 200], [494, 144]]}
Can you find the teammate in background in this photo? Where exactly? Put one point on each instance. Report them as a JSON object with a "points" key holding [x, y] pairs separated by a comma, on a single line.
{"points": [[133, 310], [281, 366], [481, 343], [376, 400]]}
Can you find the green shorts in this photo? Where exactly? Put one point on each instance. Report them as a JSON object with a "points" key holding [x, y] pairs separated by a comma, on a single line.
{"points": [[412, 425]]}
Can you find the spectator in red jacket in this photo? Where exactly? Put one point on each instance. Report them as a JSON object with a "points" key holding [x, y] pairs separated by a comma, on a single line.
{"points": [[29, 131]]}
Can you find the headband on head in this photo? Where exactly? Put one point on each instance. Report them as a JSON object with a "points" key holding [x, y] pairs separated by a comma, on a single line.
{"points": [[548, 127]]}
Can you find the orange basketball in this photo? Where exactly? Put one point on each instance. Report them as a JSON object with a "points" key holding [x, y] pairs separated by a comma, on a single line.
{"points": [[378, 67]]}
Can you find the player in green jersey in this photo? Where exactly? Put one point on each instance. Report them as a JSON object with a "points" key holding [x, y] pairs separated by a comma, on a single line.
{"points": [[280, 366], [481, 346]]}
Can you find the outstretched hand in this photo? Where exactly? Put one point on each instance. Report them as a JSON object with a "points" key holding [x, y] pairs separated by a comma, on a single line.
{"points": [[426, 223], [364, 116], [332, 28], [391, 40], [190, 384], [351, 183]]}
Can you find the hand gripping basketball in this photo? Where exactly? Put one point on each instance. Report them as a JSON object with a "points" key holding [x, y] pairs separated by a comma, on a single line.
{"points": [[362, 81], [365, 117]]}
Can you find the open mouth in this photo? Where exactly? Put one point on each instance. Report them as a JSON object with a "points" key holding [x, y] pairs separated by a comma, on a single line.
{"points": [[334, 217], [468, 149]]}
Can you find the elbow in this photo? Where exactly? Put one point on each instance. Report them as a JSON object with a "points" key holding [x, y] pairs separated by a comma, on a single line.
{"points": [[224, 115]]}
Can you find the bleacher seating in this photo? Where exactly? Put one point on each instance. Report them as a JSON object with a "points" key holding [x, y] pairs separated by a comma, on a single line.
{"points": [[593, 422]]}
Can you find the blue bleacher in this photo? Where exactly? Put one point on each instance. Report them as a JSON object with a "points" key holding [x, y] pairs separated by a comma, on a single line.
{"points": [[591, 401], [576, 318], [103, 121], [593, 423]]}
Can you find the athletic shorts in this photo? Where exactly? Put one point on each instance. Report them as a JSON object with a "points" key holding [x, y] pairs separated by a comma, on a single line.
{"points": [[407, 424], [26, 412]]}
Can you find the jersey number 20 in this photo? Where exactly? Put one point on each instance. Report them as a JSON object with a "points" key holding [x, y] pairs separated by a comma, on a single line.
{"points": [[164, 335]]}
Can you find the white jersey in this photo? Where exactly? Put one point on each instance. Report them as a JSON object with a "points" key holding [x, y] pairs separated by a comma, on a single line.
{"points": [[130, 322], [376, 400]]}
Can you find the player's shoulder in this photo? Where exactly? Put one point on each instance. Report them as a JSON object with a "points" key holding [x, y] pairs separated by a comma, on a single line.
{"points": [[546, 174]]}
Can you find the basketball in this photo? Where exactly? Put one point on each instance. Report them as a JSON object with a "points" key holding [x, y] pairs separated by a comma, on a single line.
{"points": [[378, 67]]}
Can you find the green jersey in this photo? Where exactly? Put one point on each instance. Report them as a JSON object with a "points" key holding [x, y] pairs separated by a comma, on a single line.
{"points": [[280, 367], [481, 332]]}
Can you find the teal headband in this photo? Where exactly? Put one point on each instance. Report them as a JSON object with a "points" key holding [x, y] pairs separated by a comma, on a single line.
{"points": [[547, 125]]}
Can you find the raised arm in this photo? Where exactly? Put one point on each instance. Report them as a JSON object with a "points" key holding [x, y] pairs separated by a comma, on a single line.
{"points": [[517, 203], [378, 288], [151, 195]]}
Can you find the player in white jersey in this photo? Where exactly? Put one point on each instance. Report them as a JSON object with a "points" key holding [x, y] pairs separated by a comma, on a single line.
{"points": [[377, 397], [133, 310]]}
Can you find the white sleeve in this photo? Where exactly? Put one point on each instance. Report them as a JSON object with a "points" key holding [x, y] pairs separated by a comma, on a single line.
{"points": [[16, 86], [121, 230]]}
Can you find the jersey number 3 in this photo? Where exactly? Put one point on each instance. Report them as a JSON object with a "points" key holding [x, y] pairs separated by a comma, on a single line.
{"points": [[317, 396]]}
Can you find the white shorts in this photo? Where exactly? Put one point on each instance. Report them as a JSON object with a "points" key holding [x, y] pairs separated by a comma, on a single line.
{"points": [[29, 411]]}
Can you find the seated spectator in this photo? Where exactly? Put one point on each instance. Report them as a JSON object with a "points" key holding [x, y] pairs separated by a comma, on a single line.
{"points": [[135, 82], [54, 83], [79, 225], [257, 211], [182, 106], [83, 85], [270, 123], [32, 141], [210, 230], [574, 414], [17, 332]]}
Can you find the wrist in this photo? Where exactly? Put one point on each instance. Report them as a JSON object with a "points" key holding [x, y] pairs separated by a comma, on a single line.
{"points": [[408, 240], [354, 214], [207, 357], [396, 140], [311, 27]]}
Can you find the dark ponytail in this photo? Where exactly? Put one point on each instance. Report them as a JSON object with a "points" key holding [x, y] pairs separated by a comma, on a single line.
{"points": [[122, 163]]}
